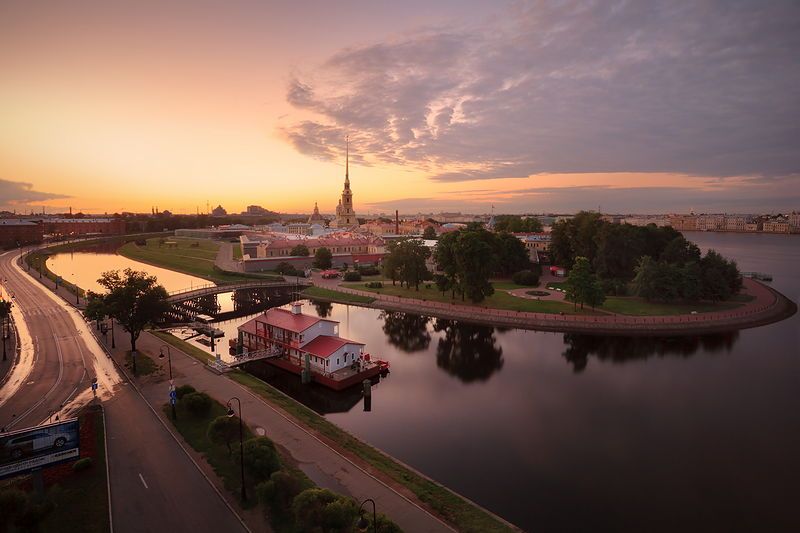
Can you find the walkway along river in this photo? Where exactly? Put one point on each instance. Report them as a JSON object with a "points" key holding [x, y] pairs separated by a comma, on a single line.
{"points": [[568, 432]]}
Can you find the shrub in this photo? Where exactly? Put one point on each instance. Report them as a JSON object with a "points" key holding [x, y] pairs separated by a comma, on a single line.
{"points": [[197, 403], [374, 285], [321, 509], [183, 390], [369, 271], [288, 270], [222, 429], [525, 277], [279, 491], [260, 458], [352, 276], [82, 464]]}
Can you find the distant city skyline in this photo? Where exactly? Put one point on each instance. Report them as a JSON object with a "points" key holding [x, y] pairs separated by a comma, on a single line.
{"points": [[450, 106]]}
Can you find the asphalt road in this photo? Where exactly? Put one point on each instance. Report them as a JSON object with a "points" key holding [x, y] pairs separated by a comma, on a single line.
{"points": [[155, 486]]}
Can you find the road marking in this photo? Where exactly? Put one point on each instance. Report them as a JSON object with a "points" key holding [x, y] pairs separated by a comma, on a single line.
{"points": [[143, 481]]}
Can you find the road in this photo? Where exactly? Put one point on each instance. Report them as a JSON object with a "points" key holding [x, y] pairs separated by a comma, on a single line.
{"points": [[155, 485]]}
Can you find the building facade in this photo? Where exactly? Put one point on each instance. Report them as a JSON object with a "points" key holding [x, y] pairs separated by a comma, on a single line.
{"points": [[15, 232], [84, 226]]}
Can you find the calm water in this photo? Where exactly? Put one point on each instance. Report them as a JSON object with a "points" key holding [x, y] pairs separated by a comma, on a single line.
{"points": [[573, 433], [84, 268]]}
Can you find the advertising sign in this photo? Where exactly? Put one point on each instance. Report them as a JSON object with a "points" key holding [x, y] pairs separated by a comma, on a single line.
{"points": [[24, 450]]}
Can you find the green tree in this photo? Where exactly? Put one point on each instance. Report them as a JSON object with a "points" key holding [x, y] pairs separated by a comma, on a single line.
{"points": [[445, 257], [511, 254], [222, 430], [517, 224], [680, 251], [95, 308], [134, 299], [720, 278], [429, 233], [323, 258], [442, 283], [301, 250], [473, 259], [412, 256], [260, 458], [581, 282]]}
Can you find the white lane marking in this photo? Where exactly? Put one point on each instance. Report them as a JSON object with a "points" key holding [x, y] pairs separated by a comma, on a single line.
{"points": [[143, 481]]}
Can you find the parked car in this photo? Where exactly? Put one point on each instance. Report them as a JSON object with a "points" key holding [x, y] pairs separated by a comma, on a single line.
{"points": [[35, 441]]}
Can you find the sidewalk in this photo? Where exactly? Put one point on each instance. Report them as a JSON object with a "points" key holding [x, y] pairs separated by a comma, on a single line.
{"points": [[319, 461]]}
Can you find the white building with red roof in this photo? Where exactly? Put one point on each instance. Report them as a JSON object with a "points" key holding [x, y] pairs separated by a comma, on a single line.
{"points": [[298, 336]]}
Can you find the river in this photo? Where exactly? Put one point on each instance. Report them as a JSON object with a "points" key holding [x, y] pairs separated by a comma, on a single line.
{"points": [[559, 432]]}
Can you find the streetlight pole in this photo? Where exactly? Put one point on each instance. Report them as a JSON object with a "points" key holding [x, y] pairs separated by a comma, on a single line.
{"points": [[113, 344], [363, 523], [169, 359], [241, 440]]}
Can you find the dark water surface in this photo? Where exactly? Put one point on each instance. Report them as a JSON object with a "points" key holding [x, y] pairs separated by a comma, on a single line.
{"points": [[563, 432]]}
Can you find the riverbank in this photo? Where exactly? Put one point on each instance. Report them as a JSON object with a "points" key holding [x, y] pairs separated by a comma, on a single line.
{"points": [[765, 306]]}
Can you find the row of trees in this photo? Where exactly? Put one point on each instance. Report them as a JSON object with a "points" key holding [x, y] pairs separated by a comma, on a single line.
{"points": [[468, 258], [710, 278], [515, 223], [406, 262]]}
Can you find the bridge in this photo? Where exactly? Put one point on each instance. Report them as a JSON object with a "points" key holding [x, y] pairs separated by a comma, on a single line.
{"points": [[209, 289]]}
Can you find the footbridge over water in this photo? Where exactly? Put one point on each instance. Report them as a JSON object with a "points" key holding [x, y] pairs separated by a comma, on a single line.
{"points": [[192, 293]]}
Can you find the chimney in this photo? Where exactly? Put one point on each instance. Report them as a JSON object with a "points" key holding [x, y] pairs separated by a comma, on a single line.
{"points": [[296, 308], [396, 222]]}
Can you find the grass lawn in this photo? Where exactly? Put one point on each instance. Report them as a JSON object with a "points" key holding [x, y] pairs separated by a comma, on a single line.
{"points": [[499, 300], [193, 429], [626, 305], [83, 494], [187, 258], [503, 285], [337, 296], [557, 285], [462, 514], [144, 364], [181, 344], [237, 250]]}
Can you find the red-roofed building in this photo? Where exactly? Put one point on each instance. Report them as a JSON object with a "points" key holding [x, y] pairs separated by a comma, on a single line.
{"points": [[300, 338]]}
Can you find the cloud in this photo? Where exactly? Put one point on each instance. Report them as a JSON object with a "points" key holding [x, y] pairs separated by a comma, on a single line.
{"points": [[695, 88], [17, 193]]}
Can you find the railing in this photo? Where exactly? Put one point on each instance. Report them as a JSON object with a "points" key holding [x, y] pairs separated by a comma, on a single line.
{"points": [[211, 288], [255, 355]]}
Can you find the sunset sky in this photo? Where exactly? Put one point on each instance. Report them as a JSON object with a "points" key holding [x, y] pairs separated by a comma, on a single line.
{"points": [[450, 105]]}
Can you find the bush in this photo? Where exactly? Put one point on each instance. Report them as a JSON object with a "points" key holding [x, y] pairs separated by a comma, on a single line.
{"points": [[197, 403], [288, 270], [82, 464], [320, 509], [374, 285], [279, 491], [260, 458], [183, 390], [525, 277], [352, 276], [369, 271], [222, 430]]}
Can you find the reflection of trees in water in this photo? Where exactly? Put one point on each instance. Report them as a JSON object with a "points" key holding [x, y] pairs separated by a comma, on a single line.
{"points": [[406, 331], [467, 351], [324, 309], [624, 349]]}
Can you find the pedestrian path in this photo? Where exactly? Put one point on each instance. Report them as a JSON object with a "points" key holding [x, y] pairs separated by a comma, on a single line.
{"points": [[332, 467]]}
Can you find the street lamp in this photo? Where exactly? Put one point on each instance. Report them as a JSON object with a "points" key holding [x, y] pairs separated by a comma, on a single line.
{"points": [[113, 344], [169, 359], [363, 523], [241, 439]]}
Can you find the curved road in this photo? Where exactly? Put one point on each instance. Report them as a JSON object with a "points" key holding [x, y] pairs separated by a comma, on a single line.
{"points": [[155, 485]]}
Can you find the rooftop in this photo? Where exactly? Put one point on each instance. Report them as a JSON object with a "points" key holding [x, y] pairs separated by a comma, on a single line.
{"points": [[324, 345], [285, 319]]}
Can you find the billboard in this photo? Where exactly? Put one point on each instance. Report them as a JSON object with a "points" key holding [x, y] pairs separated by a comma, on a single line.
{"points": [[27, 449]]}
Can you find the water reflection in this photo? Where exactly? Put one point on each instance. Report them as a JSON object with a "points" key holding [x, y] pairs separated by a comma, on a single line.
{"points": [[323, 309], [407, 332], [624, 349], [468, 351]]}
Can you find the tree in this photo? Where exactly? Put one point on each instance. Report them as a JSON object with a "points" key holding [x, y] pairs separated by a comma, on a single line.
{"points": [[95, 308], [442, 283], [134, 300], [323, 258], [445, 257], [720, 278], [301, 250], [581, 282], [680, 251], [473, 259], [260, 458], [512, 256], [517, 224], [412, 255], [429, 233], [222, 430]]}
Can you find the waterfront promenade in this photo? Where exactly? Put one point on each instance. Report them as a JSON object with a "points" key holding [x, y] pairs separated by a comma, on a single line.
{"points": [[766, 306]]}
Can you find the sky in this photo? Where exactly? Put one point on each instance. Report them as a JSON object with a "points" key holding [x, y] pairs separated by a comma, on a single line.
{"points": [[630, 107]]}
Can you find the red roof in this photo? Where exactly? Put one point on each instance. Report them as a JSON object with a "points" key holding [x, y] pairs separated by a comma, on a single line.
{"points": [[249, 326], [285, 319], [324, 345]]}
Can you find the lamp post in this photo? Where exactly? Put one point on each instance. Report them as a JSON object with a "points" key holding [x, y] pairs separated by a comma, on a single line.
{"points": [[169, 359], [113, 344], [363, 523], [241, 440]]}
